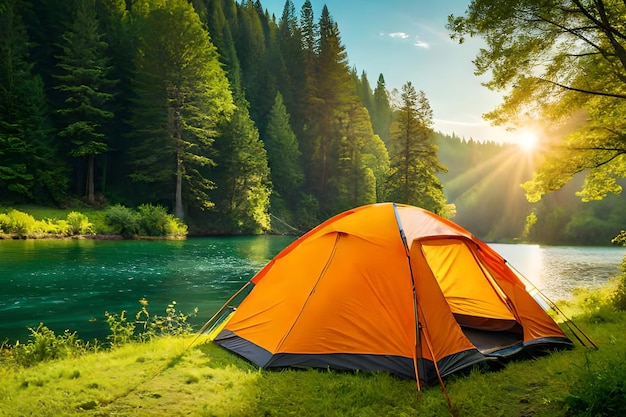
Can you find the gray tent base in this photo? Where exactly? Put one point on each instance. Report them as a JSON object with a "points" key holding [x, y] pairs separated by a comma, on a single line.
{"points": [[402, 367]]}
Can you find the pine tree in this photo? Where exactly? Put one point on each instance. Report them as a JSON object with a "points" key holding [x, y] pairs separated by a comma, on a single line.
{"points": [[242, 176], [182, 94], [30, 169], [414, 162], [330, 100], [251, 49], [355, 182], [382, 113], [221, 30], [283, 154], [83, 81], [364, 91], [121, 38], [293, 79]]}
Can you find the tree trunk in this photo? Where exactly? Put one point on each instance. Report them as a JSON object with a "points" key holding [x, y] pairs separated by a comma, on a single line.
{"points": [[178, 210]]}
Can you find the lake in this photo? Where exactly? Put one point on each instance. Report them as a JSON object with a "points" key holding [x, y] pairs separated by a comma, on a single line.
{"points": [[71, 283]]}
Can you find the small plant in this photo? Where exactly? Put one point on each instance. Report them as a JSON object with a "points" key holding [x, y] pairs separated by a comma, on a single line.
{"points": [[45, 345], [78, 224], [147, 326], [121, 220], [122, 330], [174, 323]]}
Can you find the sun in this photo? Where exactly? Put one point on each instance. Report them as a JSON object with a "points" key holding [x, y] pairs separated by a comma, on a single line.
{"points": [[528, 141]]}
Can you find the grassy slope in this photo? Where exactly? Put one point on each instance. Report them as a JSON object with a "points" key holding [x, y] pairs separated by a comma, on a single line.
{"points": [[167, 377]]}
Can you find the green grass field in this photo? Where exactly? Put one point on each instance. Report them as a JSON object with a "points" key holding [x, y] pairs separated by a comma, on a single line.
{"points": [[169, 376]]}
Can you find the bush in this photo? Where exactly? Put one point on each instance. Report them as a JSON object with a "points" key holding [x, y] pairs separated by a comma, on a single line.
{"points": [[78, 224], [175, 227], [121, 220], [156, 221], [153, 220], [21, 224]]}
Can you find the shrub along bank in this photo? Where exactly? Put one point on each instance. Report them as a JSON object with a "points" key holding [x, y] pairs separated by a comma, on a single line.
{"points": [[118, 220]]}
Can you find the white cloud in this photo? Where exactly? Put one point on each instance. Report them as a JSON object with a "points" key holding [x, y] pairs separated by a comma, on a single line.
{"points": [[421, 44], [400, 35]]}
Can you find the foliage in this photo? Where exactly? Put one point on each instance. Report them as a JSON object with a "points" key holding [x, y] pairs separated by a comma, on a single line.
{"points": [[5, 223], [564, 65], [146, 326], [122, 330], [156, 221], [121, 220], [20, 224], [241, 167], [78, 224], [24, 225], [283, 153], [29, 167], [147, 220], [45, 345]]}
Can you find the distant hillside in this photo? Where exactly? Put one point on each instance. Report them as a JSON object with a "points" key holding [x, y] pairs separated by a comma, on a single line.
{"points": [[483, 181]]}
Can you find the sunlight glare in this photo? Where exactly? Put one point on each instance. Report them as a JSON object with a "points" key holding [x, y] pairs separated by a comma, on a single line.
{"points": [[528, 141]]}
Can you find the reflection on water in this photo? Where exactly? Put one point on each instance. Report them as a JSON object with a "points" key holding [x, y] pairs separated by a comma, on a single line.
{"points": [[557, 270], [71, 283]]}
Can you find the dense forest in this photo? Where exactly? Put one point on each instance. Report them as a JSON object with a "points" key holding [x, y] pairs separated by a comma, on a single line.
{"points": [[240, 122]]}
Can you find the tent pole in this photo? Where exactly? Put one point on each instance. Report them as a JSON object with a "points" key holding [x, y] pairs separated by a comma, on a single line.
{"points": [[220, 311], [443, 387]]}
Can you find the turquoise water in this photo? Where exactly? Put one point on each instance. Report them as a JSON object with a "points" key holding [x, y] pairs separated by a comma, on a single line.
{"points": [[71, 283]]}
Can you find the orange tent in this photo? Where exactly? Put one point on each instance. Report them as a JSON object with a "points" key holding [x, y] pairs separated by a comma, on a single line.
{"points": [[387, 287]]}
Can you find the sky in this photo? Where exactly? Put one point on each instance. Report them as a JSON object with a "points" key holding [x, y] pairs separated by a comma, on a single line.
{"points": [[406, 40]]}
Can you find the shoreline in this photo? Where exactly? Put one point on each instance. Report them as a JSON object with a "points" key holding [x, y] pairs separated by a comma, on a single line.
{"points": [[97, 236]]}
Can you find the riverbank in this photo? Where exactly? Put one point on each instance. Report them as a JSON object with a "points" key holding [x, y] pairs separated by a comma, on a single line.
{"points": [[114, 222], [172, 376]]}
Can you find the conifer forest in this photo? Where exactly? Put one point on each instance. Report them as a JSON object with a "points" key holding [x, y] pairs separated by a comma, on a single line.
{"points": [[235, 120]]}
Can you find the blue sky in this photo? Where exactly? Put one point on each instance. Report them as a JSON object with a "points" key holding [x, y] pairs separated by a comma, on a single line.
{"points": [[406, 40]]}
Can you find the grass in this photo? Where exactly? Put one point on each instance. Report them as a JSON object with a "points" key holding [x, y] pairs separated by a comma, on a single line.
{"points": [[168, 377]]}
